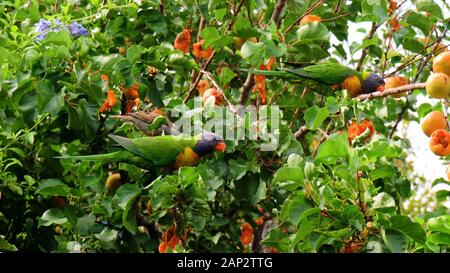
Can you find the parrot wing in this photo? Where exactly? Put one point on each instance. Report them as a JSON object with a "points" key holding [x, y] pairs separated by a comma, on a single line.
{"points": [[118, 156], [160, 150], [329, 73]]}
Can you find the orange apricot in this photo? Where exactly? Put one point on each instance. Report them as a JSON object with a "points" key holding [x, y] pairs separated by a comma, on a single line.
{"points": [[309, 19], [441, 63], [200, 52], [396, 81], [354, 130], [438, 85], [433, 121], [213, 92], [202, 86], [440, 142]]}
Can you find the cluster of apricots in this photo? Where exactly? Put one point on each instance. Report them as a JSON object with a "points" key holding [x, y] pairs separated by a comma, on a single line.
{"points": [[434, 125], [362, 131], [438, 83]]}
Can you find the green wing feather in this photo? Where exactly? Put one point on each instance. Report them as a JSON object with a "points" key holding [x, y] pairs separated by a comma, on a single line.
{"points": [[118, 156], [329, 73], [161, 150]]}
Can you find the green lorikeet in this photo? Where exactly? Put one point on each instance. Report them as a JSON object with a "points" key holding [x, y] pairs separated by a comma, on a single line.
{"points": [[331, 74], [160, 151]]}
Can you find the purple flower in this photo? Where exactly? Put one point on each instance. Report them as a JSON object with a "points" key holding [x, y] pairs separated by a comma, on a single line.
{"points": [[42, 26], [76, 29]]}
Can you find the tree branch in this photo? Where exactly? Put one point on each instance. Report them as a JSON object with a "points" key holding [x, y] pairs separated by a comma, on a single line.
{"points": [[246, 89], [390, 91], [279, 7]]}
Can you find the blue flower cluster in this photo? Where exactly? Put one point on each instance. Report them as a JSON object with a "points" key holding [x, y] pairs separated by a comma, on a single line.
{"points": [[43, 27]]}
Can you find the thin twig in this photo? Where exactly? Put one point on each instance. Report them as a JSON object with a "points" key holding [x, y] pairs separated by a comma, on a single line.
{"points": [[336, 18], [306, 13], [444, 109], [197, 79], [214, 83], [390, 91], [276, 15], [364, 51]]}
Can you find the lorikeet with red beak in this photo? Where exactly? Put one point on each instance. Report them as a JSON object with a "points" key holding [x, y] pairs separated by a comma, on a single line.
{"points": [[158, 151], [331, 74]]}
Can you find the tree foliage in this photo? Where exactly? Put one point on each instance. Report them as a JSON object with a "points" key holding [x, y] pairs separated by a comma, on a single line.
{"points": [[317, 192]]}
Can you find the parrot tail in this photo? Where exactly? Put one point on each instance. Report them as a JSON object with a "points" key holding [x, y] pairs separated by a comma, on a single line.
{"points": [[114, 156], [272, 73]]}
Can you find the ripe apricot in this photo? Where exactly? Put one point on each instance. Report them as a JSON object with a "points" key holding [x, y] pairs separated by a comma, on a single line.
{"points": [[353, 85], [162, 247], [438, 85], [396, 81], [433, 121], [113, 182], [200, 52], [439, 142], [441, 63], [309, 19], [202, 86], [213, 92], [354, 130]]}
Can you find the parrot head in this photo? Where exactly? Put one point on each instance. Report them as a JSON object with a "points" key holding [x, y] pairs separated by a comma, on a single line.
{"points": [[372, 82], [208, 143]]}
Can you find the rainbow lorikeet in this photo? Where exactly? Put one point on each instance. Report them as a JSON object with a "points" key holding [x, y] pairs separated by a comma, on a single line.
{"points": [[331, 74], [160, 151]]}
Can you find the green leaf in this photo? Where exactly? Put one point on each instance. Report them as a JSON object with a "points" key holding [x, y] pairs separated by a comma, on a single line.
{"points": [[412, 45], [294, 173], [383, 171], [304, 230], [420, 21], [61, 37], [294, 208], [84, 224], [411, 229], [315, 116], [353, 215], [52, 217], [395, 240], [429, 6], [335, 147], [440, 224], [107, 238], [214, 38], [313, 32], [4, 245], [53, 187], [277, 239], [198, 214], [126, 195], [383, 200], [226, 75]]}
